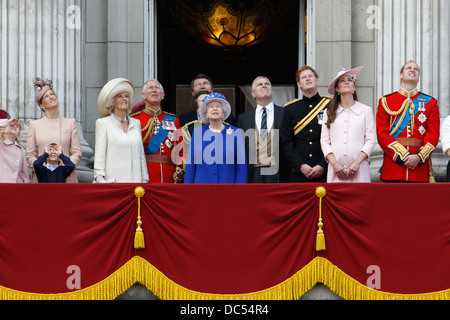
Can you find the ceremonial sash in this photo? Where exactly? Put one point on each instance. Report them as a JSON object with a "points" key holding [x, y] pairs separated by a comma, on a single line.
{"points": [[419, 105], [314, 112], [155, 142]]}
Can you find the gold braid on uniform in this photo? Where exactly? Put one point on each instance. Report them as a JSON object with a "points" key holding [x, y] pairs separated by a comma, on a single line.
{"points": [[403, 109], [151, 122], [149, 127]]}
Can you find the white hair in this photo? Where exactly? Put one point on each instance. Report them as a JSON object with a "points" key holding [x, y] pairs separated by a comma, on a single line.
{"points": [[146, 82]]}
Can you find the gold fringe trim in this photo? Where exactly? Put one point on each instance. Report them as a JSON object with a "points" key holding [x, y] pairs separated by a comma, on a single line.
{"points": [[137, 269]]}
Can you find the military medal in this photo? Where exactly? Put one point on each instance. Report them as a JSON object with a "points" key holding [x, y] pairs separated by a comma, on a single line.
{"points": [[170, 136], [229, 131], [320, 118], [422, 104], [169, 144], [169, 125]]}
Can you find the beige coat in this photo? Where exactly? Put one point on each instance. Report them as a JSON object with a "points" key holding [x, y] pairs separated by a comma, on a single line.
{"points": [[61, 131]]}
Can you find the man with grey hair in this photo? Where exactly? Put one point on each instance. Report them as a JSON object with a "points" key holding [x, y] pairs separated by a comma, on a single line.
{"points": [[261, 132], [159, 135]]}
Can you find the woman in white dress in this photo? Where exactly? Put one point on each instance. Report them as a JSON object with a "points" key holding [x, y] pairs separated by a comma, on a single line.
{"points": [[348, 131], [119, 153]]}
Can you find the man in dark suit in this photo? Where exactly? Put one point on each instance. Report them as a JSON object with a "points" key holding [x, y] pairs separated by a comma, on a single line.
{"points": [[301, 130], [201, 82], [261, 133]]}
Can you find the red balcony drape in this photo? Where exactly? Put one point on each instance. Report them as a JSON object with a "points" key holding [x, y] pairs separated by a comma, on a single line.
{"points": [[224, 241]]}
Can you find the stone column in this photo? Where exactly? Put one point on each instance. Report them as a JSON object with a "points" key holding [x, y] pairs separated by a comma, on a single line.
{"points": [[150, 40], [42, 38], [114, 47]]}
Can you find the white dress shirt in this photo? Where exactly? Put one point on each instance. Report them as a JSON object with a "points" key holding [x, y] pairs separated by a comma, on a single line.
{"points": [[270, 116]]}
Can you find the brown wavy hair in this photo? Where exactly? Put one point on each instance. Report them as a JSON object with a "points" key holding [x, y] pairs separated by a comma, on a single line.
{"points": [[334, 105]]}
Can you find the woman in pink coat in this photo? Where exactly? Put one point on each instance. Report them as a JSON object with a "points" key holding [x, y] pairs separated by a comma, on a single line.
{"points": [[13, 165], [348, 131], [52, 128]]}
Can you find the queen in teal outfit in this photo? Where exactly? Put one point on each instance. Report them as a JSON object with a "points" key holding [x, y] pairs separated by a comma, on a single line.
{"points": [[217, 150]]}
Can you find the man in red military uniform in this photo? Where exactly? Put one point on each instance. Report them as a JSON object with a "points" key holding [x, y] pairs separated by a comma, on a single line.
{"points": [[160, 135], [408, 126]]}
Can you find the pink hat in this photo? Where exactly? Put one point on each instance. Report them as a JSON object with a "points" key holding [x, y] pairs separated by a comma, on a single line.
{"points": [[354, 73], [41, 87]]}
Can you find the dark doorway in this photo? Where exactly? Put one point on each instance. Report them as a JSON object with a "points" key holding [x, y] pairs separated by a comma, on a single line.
{"points": [[181, 57]]}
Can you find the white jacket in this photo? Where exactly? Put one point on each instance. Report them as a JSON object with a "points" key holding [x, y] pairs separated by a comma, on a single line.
{"points": [[445, 134], [119, 156]]}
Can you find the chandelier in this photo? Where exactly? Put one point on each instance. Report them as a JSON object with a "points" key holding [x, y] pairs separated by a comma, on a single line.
{"points": [[229, 24]]}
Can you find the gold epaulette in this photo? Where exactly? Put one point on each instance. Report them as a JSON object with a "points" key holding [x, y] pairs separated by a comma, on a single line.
{"points": [[293, 101], [136, 113], [171, 114], [186, 134], [185, 130], [389, 94], [328, 97], [191, 123]]}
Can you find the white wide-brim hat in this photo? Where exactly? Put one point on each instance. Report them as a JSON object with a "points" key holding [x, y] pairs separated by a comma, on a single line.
{"points": [[354, 73], [215, 96], [110, 90]]}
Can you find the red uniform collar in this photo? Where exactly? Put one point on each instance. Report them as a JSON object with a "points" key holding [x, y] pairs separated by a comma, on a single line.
{"points": [[408, 94]]}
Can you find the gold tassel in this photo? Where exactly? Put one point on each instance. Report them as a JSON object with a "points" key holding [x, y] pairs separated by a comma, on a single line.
{"points": [[320, 238], [430, 169], [139, 242], [432, 178]]}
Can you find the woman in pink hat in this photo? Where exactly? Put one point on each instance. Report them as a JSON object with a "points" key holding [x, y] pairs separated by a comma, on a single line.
{"points": [[348, 131], [52, 127]]}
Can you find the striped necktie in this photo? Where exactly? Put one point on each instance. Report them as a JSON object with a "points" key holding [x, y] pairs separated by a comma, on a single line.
{"points": [[264, 124]]}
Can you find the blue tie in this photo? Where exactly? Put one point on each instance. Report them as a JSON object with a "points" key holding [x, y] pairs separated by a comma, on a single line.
{"points": [[264, 124]]}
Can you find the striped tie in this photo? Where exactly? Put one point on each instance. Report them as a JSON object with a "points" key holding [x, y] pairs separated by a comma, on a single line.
{"points": [[264, 124]]}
